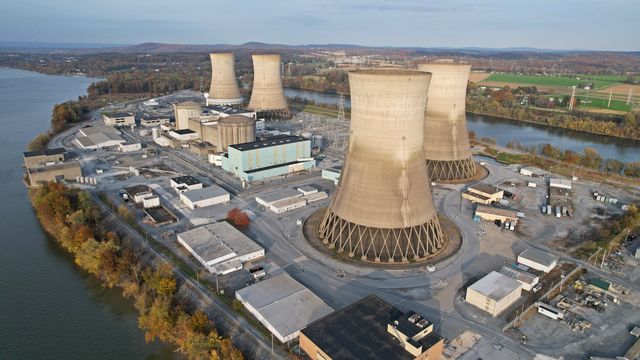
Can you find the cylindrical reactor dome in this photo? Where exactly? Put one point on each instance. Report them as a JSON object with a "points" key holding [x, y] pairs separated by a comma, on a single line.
{"points": [[383, 208], [224, 88], [267, 93], [235, 129], [446, 140], [184, 111]]}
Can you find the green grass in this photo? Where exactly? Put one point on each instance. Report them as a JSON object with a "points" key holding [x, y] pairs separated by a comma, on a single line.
{"points": [[600, 81], [618, 105]]}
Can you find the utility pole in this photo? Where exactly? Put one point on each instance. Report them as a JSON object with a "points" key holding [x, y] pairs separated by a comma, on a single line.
{"points": [[573, 98], [629, 96], [610, 94]]}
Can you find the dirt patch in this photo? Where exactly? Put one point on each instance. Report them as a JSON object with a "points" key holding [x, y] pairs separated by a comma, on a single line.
{"points": [[621, 89], [312, 223], [478, 76]]}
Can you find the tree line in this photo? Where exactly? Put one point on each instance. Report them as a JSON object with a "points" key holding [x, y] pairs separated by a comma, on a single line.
{"points": [[71, 218]]}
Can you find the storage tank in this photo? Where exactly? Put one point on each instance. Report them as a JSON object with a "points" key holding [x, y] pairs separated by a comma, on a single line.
{"points": [[184, 111], [267, 96], [224, 88], [306, 135], [155, 133], [235, 129], [446, 140], [318, 141], [383, 210]]}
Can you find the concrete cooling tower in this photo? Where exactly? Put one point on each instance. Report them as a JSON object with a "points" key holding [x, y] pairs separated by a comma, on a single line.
{"points": [[224, 84], [446, 140], [383, 210], [267, 96], [184, 111]]}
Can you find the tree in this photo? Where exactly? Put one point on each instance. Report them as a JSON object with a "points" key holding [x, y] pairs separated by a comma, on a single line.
{"points": [[472, 136], [614, 166], [591, 158], [39, 143], [630, 120], [238, 218]]}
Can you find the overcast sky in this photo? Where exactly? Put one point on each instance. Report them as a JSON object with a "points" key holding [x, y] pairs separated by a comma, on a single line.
{"points": [[552, 24]]}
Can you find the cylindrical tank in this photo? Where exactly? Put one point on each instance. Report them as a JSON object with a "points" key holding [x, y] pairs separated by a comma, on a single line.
{"points": [[446, 140], [318, 141], [235, 129], [224, 84], [184, 111], [306, 135], [267, 94], [155, 133], [383, 208]]}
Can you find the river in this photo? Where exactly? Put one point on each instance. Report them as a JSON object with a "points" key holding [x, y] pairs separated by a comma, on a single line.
{"points": [[49, 309], [504, 130]]}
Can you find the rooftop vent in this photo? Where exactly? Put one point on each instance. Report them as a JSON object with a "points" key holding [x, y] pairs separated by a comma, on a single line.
{"points": [[413, 318], [422, 323]]}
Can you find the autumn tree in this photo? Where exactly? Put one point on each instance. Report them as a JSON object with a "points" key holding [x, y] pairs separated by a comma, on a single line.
{"points": [[238, 218]]}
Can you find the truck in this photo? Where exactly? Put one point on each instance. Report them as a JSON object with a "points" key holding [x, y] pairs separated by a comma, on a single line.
{"points": [[558, 211]]}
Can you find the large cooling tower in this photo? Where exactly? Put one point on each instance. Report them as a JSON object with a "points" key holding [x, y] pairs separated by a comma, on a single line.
{"points": [[184, 111], [267, 96], [235, 129], [383, 208], [446, 140], [224, 84]]}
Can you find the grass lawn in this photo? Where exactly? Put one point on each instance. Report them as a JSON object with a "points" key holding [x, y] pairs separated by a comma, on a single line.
{"points": [[618, 105], [600, 81]]}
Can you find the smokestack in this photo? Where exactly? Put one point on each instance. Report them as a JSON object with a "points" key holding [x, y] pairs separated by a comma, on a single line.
{"points": [[267, 96], [446, 140], [224, 84], [383, 209]]}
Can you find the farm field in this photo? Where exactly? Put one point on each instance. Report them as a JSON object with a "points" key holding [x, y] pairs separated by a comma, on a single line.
{"points": [[617, 105], [478, 76], [600, 81]]}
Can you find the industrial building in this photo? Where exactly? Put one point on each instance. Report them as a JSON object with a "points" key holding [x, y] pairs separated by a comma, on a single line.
{"points": [[283, 200], [98, 137], [560, 183], [483, 194], [494, 293], [149, 120], [119, 119], [374, 330], [332, 174], [446, 140], [268, 158], [184, 135], [533, 171], [220, 247], [124, 147], [224, 84], [184, 111], [267, 95], [283, 305], [185, 183], [49, 165], [138, 193], [489, 213], [383, 210], [45, 157], [204, 197], [221, 111], [538, 260], [527, 280]]}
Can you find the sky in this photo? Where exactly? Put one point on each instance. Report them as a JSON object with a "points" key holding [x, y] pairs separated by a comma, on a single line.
{"points": [[546, 24]]}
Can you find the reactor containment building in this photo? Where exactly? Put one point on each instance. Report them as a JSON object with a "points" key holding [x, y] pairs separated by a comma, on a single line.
{"points": [[446, 140], [224, 88], [383, 209], [267, 96]]}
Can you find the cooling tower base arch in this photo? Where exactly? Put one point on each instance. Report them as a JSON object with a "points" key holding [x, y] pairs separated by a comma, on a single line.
{"points": [[451, 169]]}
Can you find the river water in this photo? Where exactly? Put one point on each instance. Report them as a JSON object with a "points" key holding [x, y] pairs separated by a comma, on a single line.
{"points": [[503, 131], [48, 308]]}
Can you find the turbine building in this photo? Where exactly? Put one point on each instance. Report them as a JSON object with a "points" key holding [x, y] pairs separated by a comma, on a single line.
{"points": [[446, 140], [224, 84], [383, 210], [267, 96]]}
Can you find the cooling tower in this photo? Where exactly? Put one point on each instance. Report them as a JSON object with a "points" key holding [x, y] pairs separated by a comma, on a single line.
{"points": [[184, 111], [267, 96], [235, 129], [224, 84], [446, 140], [383, 209]]}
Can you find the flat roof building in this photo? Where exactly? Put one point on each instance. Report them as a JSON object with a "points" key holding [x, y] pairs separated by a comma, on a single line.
{"points": [[118, 119], [490, 213], [267, 198], [150, 120], [483, 194], [98, 137], [43, 157], [560, 183], [283, 305], [371, 329], [184, 135], [49, 165], [220, 247], [494, 293], [204, 197], [527, 280], [185, 183], [538, 260]]}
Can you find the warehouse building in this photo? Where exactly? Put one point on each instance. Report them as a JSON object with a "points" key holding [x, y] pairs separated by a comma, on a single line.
{"points": [[98, 137], [538, 260], [204, 197], [266, 199], [483, 194], [533, 172], [527, 280], [138, 193], [371, 329], [49, 165], [268, 158], [220, 247], [185, 183], [332, 174], [489, 213], [43, 157], [494, 293], [283, 305], [289, 204], [149, 120], [184, 135], [129, 147], [119, 119], [560, 183]]}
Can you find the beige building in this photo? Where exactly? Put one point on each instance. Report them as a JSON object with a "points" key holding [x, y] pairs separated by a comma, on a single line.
{"points": [[119, 119], [494, 293], [483, 194], [43, 157], [490, 213], [49, 165]]}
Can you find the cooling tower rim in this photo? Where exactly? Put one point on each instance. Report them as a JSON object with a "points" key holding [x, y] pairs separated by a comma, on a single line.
{"points": [[387, 72], [221, 53], [441, 66]]}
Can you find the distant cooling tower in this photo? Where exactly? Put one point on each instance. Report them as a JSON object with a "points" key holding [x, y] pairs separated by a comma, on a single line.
{"points": [[446, 140], [224, 84], [267, 96], [383, 209], [184, 111]]}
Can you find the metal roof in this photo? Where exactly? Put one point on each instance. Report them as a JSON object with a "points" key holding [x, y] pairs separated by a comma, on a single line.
{"points": [[205, 193], [496, 211], [539, 257], [495, 286], [217, 240], [274, 141]]}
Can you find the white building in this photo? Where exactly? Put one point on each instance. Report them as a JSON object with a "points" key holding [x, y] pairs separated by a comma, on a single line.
{"points": [[204, 197], [265, 199], [98, 137], [119, 119], [560, 183], [320, 195], [287, 204], [220, 247], [153, 120], [151, 201], [184, 135], [185, 183], [527, 280], [307, 190], [130, 147], [493, 293], [283, 305], [538, 260]]}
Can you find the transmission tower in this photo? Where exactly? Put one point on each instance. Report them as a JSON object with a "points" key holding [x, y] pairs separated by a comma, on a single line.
{"points": [[629, 96], [573, 98]]}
